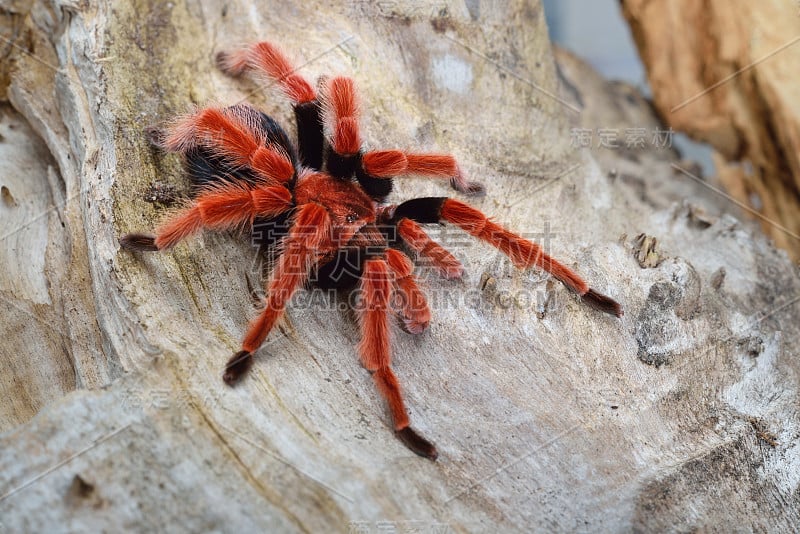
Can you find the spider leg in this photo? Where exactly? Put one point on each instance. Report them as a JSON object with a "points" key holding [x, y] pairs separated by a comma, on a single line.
{"points": [[341, 104], [266, 58], [269, 60], [233, 136], [418, 240], [385, 164], [374, 350], [374, 170], [310, 138], [341, 112], [413, 307], [309, 234], [220, 207], [523, 253]]}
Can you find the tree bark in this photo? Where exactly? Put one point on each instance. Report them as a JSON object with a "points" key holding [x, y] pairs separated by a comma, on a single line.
{"points": [[725, 73], [547, 414]]}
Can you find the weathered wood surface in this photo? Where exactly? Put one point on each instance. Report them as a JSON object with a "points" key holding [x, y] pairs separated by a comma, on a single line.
{"points": [[725, 72], [547, 415]]}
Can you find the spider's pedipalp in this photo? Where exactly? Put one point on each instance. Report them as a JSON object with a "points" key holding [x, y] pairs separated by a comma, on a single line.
{"points": [[231, 205], [417, 240], [156, 136], [410, 301], [234, 63]]}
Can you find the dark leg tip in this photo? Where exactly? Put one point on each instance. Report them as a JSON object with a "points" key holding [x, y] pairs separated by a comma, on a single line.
{"points": [[476, 189], [237, 366], [598, 301], [221, 60], [228, 65], [417, 443], [414, 328], [139, 242], [155, 135]]}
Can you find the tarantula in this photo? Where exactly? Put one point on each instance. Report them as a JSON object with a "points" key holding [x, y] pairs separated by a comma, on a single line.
{"points": [[324, 205]]}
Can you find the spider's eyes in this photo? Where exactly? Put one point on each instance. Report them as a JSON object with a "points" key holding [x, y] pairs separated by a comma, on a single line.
{"points": [[351, 218]]}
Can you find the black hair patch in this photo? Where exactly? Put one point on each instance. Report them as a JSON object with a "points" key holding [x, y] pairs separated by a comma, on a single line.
{"points": [[309, 134], [343, 167], [377, 188], [422, 210]]}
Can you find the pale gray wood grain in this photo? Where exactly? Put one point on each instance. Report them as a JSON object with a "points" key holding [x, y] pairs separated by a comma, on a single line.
{"points": [[544, 411]]}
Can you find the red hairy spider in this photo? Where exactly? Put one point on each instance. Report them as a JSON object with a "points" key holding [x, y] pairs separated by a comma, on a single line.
{"points": [[323, 204]]}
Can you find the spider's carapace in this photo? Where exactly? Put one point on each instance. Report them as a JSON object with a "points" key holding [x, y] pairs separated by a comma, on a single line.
{"points": [[321, 205]]}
